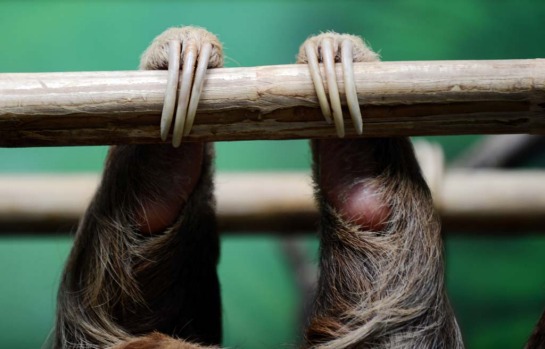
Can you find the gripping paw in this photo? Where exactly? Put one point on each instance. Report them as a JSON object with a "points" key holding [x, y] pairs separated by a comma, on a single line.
{"points": [[182, 48], [330, 48]]}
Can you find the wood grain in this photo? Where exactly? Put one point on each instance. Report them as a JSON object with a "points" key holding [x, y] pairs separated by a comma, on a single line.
{"points": [[275, 102]]}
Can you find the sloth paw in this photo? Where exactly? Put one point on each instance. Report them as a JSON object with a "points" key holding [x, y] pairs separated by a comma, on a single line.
{"points": [[193, 50], [330, 48]]}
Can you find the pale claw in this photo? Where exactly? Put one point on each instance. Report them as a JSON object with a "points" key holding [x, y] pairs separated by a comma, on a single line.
{"points": [[200, 73], [172, 88], [190, 56], [326, 48], [350, 85], [329, 64], [314, 68], [190, 90], [169, 49]]}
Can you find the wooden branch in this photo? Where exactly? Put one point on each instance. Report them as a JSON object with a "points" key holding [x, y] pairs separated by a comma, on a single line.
{"points": [[275, 102], [493, 200], [282, 203], [501, 151]]}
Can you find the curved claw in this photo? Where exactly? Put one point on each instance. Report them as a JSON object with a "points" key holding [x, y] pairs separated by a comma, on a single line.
{"points": [[314, 68], [172, 88], [200, 73], [190, 56], [350, 85], [329, 64]]}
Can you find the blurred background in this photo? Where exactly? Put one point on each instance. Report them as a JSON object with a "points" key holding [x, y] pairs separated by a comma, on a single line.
{"points": [[496, 282]]}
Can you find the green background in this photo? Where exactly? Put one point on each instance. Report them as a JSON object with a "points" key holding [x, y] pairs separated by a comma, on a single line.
{"points": [[496, 284]]}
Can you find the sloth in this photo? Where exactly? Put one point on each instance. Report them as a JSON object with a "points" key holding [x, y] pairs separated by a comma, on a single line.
{"points": [[142, 270]]}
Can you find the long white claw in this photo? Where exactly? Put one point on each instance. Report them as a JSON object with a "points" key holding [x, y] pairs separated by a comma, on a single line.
{"points": [[329, 64], [172, 87], [200, 73], [314, 68], [190, 56], [350, 85]]}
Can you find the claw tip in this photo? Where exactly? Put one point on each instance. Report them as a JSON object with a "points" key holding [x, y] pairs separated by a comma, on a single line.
{"points": [[359, 130], [163, 137], [176, 143]]}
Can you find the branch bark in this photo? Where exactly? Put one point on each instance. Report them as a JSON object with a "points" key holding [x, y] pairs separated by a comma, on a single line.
{"points": [[275, 102]]}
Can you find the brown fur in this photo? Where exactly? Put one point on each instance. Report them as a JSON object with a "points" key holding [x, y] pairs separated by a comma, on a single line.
{"points": [[381, 286], [384, 288], [120, 282], [157, 341], [537, 339]]}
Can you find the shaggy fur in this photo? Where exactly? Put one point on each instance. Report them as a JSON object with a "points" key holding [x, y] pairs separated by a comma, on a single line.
{"points": [[119, 283], [384, 288], [381, 286]]}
